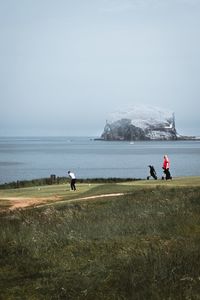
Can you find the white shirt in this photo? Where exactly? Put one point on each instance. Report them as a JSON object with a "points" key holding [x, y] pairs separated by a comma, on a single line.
{"points": [[72, 176]]}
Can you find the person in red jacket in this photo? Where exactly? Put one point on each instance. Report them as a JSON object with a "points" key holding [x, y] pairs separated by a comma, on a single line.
{"points": [[166, 165]]}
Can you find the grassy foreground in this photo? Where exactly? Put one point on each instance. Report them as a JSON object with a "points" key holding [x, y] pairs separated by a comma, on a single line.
{"points": [[144, 244]]}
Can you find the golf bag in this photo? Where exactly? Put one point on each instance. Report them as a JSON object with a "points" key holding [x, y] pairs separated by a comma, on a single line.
{"points": [[167, 174], [152, 173]]}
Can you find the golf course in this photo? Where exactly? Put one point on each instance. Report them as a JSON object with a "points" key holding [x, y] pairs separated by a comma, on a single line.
{"points": [[105, 241]]}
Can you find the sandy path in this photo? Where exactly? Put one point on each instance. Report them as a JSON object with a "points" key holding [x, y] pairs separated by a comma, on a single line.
{"points": [[23, 202], [94, 197]]}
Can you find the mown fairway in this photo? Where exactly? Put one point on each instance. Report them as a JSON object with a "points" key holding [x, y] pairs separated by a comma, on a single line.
{"points": [[144, 244]]}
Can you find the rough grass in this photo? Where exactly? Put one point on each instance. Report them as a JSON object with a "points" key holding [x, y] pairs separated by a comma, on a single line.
{"points": [[143, 245]]}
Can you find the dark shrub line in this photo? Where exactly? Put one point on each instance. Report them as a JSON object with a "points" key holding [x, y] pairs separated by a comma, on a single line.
{"points": [[59, 180]]}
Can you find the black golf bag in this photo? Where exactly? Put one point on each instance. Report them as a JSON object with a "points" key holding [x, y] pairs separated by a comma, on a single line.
{"points": [[167, 174], [152, 173]]}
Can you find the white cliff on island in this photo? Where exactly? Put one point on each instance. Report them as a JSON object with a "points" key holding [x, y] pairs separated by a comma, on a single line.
{"points": [[141, 123]]}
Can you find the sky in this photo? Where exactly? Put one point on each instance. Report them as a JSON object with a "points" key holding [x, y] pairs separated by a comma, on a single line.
{"points": [[65, 65]]}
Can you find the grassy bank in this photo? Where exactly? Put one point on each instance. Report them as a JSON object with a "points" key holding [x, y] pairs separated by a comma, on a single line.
{"points": [[60, 180], [141, 245]]}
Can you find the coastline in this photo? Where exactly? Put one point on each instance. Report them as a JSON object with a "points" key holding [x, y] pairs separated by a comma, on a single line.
{"points": [[65, 180]]}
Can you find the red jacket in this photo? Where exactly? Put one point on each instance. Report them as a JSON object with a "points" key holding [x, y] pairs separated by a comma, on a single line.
{"points": [[166, 163]]}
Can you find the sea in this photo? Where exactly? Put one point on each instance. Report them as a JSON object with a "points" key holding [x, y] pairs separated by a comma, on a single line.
{"points": [[26, 158]]}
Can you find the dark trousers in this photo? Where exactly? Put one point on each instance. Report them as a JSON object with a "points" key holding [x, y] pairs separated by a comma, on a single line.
{"points": [[167, 173], [73, 187]]}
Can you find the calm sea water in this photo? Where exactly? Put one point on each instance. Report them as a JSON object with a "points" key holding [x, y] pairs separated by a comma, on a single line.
{"points": [[29, 158]]}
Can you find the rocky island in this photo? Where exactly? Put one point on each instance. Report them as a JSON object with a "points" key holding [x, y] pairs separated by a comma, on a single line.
{"points": [[141, 124]]}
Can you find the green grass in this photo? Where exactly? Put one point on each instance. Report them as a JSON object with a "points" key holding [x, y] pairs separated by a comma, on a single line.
{"points": [[142, 245]]}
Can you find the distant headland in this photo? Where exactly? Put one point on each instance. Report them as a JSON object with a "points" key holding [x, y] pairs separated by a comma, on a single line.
{"points": [[142, 123]]}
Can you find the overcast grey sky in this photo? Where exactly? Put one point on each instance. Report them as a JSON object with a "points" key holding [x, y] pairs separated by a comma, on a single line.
{"points": [[65, 65]]}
